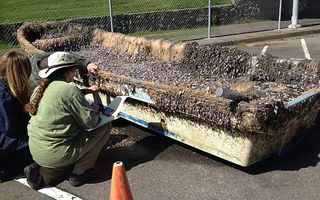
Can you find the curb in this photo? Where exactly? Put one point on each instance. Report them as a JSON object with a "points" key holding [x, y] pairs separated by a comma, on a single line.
{"points": [[258, 36]]}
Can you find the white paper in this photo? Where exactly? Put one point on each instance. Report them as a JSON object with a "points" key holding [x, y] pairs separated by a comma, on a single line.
{"points": [[116, 105]]}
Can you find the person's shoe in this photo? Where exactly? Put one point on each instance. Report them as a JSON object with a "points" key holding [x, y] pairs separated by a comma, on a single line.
{"points": [[88, 175], [33, 176]]}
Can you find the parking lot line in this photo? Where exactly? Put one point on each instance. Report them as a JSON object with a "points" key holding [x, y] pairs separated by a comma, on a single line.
{"points": [[264, 50], [52, 192], [305, 49]]}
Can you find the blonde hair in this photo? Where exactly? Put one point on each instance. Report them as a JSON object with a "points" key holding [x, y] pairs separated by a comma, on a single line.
{"points": [[15, 68]]}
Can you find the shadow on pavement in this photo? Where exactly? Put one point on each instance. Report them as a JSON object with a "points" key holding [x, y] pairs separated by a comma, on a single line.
{"points": [[302, 155], [141, 151]]}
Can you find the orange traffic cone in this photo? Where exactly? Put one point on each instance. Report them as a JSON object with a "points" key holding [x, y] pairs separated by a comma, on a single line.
{"points": [[120, 189]]}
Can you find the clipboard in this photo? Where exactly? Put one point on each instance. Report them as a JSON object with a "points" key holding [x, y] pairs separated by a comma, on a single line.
{"points": [[115, 105]]}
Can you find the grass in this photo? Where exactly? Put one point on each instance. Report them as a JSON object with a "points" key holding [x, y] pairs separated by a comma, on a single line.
{"points": [[27, 10], [5, 45]]}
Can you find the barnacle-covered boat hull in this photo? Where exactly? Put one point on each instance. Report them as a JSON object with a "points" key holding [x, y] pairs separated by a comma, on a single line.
{"points": [[177, 82]]}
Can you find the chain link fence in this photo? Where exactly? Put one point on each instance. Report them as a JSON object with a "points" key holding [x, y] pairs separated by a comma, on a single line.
{"points": [[172, 20]]}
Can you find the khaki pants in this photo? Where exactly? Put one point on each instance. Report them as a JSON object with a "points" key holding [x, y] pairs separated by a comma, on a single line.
{"points": [[91, 150], [86, 160]]}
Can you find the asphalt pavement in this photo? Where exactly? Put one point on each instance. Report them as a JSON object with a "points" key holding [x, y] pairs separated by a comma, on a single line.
{"points": [[159, 168], [301, 47]]}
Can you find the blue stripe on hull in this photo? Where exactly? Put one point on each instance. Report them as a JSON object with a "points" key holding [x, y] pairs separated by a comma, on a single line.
{"points": [[149, 126]]}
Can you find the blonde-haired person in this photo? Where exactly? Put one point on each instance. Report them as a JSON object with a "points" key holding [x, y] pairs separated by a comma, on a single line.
{"points": [[15, 70], [60, 115]]}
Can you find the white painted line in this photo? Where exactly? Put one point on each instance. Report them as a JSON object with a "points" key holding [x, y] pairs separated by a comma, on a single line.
{"points": [[52, 192], [264, 50], [305, 49]]}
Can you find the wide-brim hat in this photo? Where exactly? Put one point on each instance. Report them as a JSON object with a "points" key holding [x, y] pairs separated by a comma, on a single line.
{"points": [[57, 61]]}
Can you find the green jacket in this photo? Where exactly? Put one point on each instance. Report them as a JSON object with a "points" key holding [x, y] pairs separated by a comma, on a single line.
{"points": [[35, 61], [56, 133]]}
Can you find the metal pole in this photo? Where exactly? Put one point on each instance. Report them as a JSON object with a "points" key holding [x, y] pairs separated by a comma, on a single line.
{"points": [[209, 19], [110, 15], [280, 14], [294, 18]]}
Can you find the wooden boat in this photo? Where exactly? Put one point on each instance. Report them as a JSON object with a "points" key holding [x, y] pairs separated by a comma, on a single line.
{"points": [[223, 101]]}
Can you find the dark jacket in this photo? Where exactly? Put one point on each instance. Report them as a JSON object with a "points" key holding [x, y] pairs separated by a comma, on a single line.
{"points": [[13, 134], [35, 61]]}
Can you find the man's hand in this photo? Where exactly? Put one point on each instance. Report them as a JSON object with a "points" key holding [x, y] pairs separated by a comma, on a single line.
{"points": [[91, 90], [92, 68]]}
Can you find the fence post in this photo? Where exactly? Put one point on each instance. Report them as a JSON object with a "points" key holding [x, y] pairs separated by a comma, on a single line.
{"points": [[209, 19], [280, 14], [110, 15], [294, 18]]}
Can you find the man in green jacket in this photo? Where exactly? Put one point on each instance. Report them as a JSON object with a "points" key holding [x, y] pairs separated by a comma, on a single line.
{"points": [[40, 61]]}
